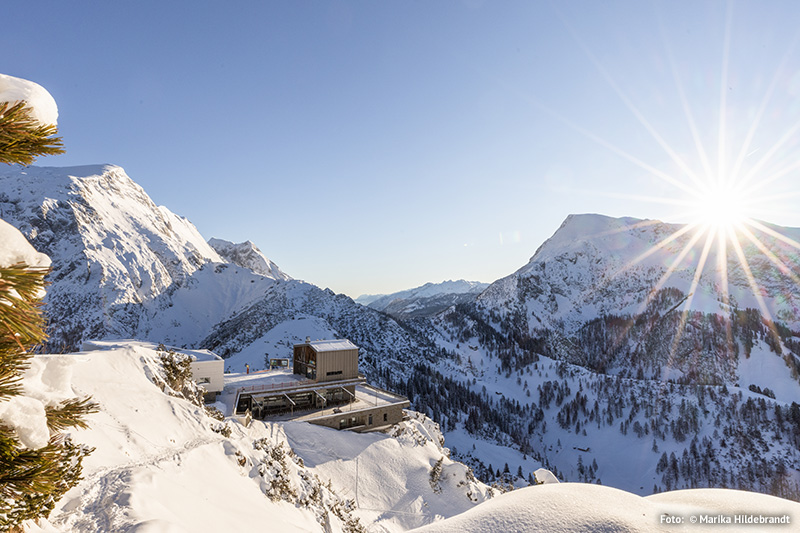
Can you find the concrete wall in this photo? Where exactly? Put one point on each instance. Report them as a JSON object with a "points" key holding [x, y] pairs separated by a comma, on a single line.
{"points": [[382, 415]]}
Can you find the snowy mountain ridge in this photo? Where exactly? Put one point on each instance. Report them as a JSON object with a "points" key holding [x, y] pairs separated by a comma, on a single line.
{"points": [[427, 290], [425, 300], [596, 265], [122, 266], [126, 268], [247, 255]]}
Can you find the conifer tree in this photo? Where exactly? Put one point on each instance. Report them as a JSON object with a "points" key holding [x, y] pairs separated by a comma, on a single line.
{"points": [[31, 480]]}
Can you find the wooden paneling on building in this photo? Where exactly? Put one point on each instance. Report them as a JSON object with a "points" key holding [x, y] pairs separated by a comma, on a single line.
{"points": [[329, 360]]}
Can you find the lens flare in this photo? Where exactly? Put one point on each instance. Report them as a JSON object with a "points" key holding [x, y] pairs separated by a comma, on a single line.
{"points": [[720, 207]]}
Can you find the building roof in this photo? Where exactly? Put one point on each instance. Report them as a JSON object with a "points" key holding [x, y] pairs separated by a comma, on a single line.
{"points": [[200, 355], [332, 345]]}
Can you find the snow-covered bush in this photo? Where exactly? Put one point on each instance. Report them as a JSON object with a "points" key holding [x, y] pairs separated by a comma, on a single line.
{"points": [[175, 377], [284, 477], [436, 473]]}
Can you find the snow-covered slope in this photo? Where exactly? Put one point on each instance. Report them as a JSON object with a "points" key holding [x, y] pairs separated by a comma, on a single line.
{"points": [[423, 301], [288, 312], [162, 464], [247, 255], [577, 508]]}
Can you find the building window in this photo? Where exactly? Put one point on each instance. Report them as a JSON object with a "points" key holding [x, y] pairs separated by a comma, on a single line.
{"points": [[204, 381], [334, 373], [370, 420], [385, 417]]}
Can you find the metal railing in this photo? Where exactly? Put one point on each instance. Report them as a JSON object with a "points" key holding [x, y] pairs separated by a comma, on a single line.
{"points": [[296, 383], [275, 386]]}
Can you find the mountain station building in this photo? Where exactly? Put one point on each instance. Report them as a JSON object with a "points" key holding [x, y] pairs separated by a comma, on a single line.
{"points": [[323, 387]]}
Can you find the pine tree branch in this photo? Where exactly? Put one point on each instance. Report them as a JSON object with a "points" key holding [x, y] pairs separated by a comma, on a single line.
{"points": [[21, 320], [22, 138], [70, 413]]}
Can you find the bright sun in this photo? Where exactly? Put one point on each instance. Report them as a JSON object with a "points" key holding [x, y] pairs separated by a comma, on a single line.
{"points": [[720, 207]]}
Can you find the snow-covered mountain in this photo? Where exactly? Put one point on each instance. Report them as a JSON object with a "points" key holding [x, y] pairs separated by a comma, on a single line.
{"points": [[117, 257], [425, 300], [634, 296], [247, 255], [126, 268], [613, 356], [596, 265], [585, 353]]}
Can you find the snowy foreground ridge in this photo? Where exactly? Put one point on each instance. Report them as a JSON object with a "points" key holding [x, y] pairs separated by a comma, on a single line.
{"points": [[162, 464]]}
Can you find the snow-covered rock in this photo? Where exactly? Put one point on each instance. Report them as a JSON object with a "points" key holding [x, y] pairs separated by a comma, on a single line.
{"points": [[41, 103], [16, 249]]}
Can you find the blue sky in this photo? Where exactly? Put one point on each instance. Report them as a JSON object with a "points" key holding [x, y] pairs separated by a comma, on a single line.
{"points": [[371, 147]]}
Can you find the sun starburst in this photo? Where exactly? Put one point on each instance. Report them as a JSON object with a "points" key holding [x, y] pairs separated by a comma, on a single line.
{"points": [[719, 197]]}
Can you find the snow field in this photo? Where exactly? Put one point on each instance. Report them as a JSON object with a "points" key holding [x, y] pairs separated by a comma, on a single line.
{"points": [[578, 508]]}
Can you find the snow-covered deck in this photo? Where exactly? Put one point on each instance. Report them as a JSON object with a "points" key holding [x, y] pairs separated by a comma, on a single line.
{"points": [[264, 380], [270, 382], [367, 398]]}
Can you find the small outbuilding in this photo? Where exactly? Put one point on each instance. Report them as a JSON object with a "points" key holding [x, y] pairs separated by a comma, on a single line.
{"points": [[207, 371], [279, 363]]}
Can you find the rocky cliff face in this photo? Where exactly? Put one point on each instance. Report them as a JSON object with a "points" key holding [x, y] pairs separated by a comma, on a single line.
{"points": [[247, 255]]}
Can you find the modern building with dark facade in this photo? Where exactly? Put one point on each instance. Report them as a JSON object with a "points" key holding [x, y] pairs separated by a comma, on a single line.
{"points": [[324, 388]]}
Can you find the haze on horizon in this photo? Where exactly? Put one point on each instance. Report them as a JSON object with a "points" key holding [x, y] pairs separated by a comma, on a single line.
{"points": [[372, 148]]}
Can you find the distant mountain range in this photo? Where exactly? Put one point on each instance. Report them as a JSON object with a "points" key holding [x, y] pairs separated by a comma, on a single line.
{"points": [[424, 301]]}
